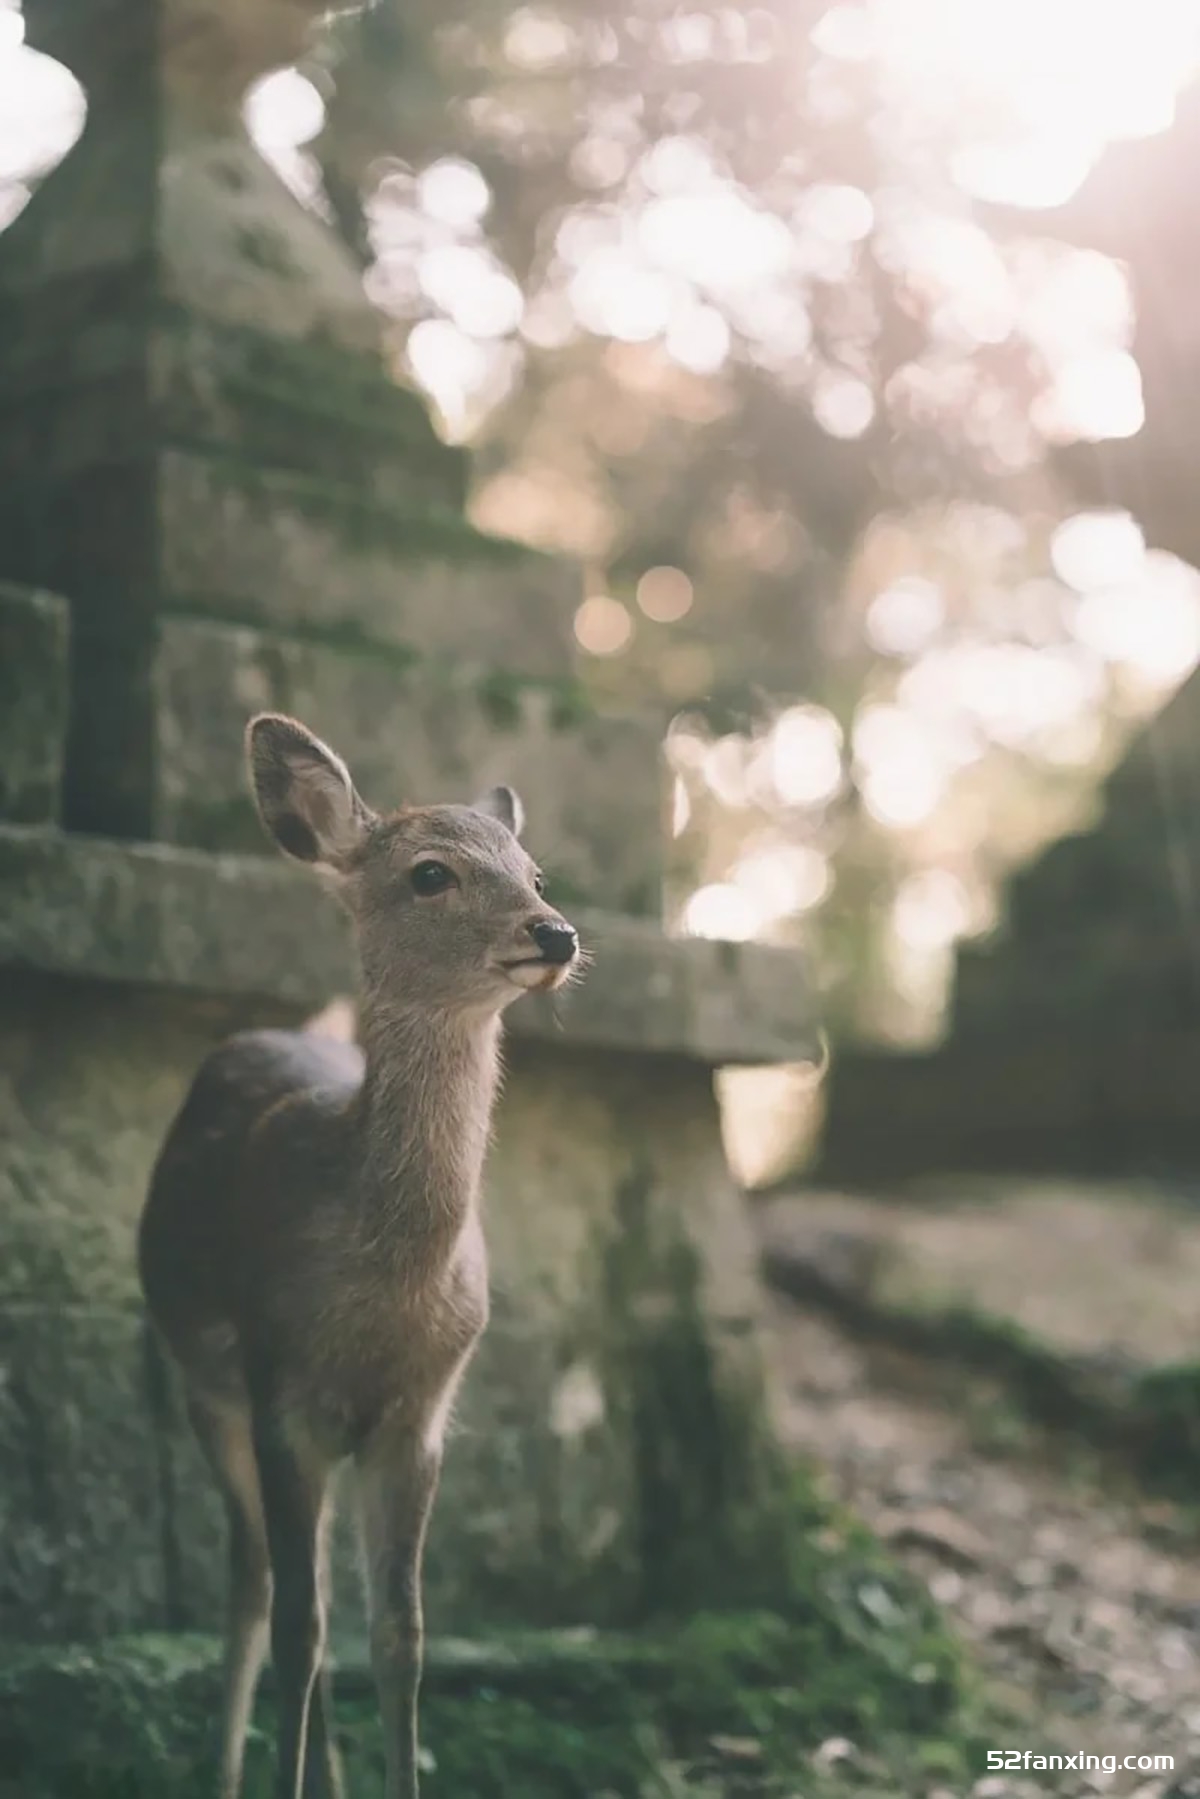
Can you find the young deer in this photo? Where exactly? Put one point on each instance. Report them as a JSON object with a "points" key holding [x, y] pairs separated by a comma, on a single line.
{"points": [[311, 1250]]}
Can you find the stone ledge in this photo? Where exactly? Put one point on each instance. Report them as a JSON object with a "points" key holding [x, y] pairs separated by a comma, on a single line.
{"points": [[239, 927]]}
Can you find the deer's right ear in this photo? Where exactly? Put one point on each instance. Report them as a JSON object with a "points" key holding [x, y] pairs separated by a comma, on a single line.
{"points": [[304, 793]]}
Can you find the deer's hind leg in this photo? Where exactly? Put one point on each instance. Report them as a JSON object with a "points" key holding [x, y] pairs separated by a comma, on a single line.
{"points": [[225, 1434]]}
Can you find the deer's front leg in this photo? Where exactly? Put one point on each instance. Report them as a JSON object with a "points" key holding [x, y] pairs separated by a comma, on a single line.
{"points": [[398, 1476], [294, 1495]]}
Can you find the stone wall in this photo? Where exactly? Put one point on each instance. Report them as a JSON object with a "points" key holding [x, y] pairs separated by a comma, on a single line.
{"points": [[203, 453], [606, 1437]]}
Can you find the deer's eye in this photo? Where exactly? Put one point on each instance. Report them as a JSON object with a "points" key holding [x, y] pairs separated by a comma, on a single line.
{"points": [[539, 882], [431, 877]]}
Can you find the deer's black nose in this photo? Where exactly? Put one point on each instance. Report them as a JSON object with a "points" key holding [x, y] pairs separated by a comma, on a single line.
{"points": [[556, 942]]}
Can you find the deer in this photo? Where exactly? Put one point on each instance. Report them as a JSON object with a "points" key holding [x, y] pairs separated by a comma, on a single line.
{"points": [[311, 1251]]}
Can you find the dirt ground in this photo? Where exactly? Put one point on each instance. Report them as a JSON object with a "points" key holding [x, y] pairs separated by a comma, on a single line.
{"points": [[1079, 1595]]}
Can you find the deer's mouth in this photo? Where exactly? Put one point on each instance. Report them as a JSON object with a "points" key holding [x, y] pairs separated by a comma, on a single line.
{"points": [[537, 974]]}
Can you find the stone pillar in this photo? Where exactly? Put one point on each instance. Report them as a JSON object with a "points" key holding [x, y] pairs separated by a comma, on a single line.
{"points": [[202, 453]]}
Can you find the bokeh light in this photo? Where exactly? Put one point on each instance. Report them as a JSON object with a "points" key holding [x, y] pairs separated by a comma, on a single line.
{"points": [[805, 756], [283, 110], [1095, 549], [603, 626], [453, 191], [905, 617], [665, 595], [721, 910], [42, 112]]}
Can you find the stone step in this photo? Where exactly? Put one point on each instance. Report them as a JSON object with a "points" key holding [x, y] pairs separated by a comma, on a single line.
{"points": [[1128, 867], [229, 539], [1090, 976], [271, 548], [411, 730], [212, 539], [33, 703], [100, 389], [294, 406], [1099, 1096]]}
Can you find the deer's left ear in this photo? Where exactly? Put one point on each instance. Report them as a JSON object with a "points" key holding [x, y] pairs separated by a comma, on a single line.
{"points": [[304, 793], [503, 803]]}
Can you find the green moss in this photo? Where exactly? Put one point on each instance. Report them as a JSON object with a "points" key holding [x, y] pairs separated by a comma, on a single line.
{"points": [[345, 636], [1165, 1406], [572, 705], [361, 522], [721, 1519], [634, 1717], [266, 250], [304, 403]]}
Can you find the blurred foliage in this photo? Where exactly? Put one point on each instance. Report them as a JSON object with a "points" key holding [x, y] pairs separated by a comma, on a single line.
{"points": [[705, 292], [850, 387]]}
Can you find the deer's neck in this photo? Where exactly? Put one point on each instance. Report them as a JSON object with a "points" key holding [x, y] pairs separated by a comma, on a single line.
{"points": [[424, 1113]]}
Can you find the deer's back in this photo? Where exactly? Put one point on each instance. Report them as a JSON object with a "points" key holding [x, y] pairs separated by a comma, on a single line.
{"points": [[214, 1211]]}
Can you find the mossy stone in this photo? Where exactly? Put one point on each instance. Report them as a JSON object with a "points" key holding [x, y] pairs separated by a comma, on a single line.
{"points": [[33, 703]]}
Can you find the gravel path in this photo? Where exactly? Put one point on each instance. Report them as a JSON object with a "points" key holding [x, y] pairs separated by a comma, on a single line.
{"points": [[1082, 1603]]}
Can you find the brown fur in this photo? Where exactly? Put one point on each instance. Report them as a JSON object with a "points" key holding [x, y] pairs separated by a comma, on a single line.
{"points": [[311, 1248]]}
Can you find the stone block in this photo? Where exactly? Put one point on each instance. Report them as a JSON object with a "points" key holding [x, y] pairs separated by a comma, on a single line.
{"points": [[89, 1078], [307, 556], [80, 1515], [112, 389], [1124, 870], [247, 402], [33, 703], [312, 409], [591, 785], [1014, 1101]]}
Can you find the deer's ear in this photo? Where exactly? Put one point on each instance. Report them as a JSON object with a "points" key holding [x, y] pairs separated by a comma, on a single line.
{"points": [[304, 793], [503, 803]]}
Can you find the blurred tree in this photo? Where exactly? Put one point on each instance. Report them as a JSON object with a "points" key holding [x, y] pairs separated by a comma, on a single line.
{"points": [[710, 293], [1141, 205], [750, 367]]}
